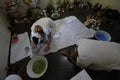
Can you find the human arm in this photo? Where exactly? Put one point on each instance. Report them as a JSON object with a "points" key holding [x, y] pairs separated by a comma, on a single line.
{"points": [[48, 43], [35, 39], [82, 62]]}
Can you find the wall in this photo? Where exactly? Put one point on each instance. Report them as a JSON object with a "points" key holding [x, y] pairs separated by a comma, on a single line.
{"points": [[114, 4], [4, 45]]}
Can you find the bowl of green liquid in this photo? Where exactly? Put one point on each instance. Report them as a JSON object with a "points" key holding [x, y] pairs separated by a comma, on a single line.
{"points": [[37, 66]]}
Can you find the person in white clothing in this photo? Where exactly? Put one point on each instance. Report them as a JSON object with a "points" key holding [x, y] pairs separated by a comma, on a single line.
{"points": [[41, 33], [94, 54]]}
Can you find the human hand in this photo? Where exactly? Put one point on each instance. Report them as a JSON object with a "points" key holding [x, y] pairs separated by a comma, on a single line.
{"points": [[33, 46], [46, 48]]}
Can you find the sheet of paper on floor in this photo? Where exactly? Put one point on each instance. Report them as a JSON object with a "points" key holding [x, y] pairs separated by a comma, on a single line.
{"points": [[82, 75], [18, 51]]}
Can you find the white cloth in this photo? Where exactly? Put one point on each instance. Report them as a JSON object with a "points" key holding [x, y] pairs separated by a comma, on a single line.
{"points": [[19, 50], [98, 55], [36, 50], [69, 19], [67, 34], [46, 23]]}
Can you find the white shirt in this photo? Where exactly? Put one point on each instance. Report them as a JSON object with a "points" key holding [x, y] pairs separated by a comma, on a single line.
{"points": [[46, 23], [98, 55]]}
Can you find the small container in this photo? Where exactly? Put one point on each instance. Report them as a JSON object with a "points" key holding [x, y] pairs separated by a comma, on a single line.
{"points": [[13, 77], [102, 35]]}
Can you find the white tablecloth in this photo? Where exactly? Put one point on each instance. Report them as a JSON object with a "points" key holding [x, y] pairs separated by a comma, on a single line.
{"points": [[18, 50], [68, 33], [71, 32]]}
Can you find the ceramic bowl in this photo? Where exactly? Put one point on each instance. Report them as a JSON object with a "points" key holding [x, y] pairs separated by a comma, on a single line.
{"points": [[102, 35]]}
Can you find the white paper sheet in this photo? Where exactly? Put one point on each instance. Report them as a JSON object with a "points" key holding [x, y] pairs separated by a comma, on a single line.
{"points": [[83, 75], [18, 51], [69, 34]]}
